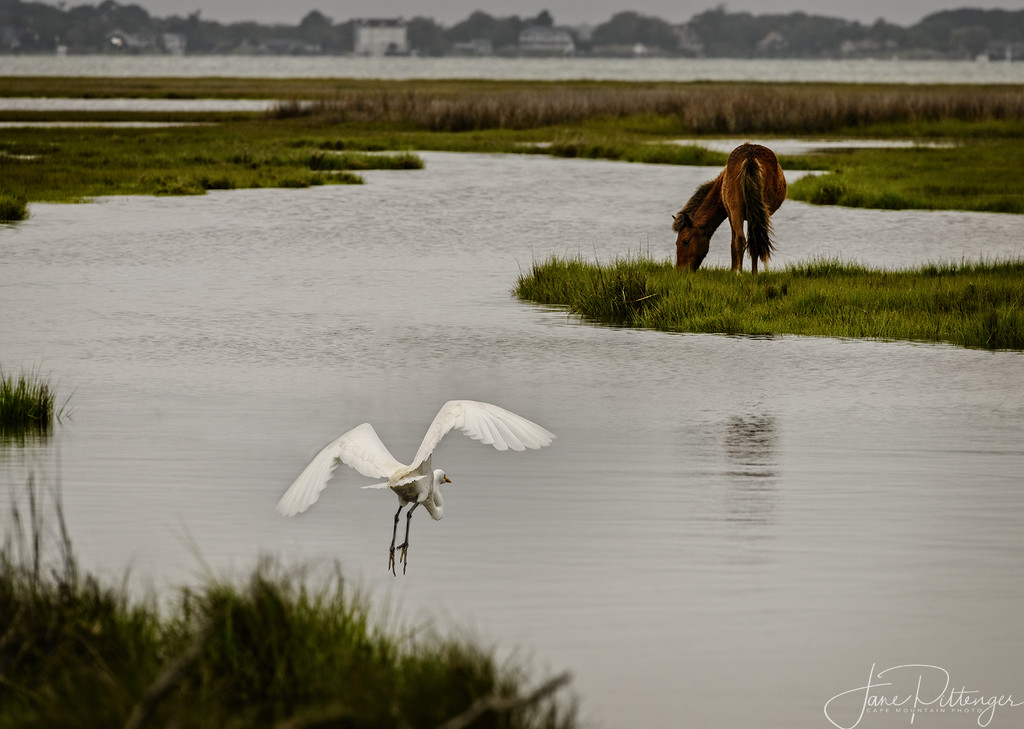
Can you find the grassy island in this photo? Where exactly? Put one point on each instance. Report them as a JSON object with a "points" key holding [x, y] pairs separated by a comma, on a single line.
{"points": [[971, 305]]}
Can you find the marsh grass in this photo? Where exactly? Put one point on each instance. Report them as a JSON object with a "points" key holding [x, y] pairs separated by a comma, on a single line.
{"points": [[971, 305], [981, 176], [13, 206], [71, 164], [626, 149], [283, 647], [690, 107], [338, 160], [29, 404], [697, 108]]}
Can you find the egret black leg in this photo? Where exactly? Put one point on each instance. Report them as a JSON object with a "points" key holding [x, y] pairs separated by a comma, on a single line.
{"points": [[394, 533], [405, 545]]}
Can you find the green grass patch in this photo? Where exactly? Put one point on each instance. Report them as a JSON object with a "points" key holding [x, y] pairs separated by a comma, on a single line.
{"points": [[628, 148], [75, 163], [331, 160], [983, 176], [282, 647], [13, 206], [29, 404], [971, 305]]}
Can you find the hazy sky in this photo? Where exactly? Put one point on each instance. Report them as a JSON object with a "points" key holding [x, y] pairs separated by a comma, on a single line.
{"points": [[567, 12]]}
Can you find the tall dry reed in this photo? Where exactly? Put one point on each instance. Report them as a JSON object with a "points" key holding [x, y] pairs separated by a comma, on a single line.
{"points": [[699, 108]]}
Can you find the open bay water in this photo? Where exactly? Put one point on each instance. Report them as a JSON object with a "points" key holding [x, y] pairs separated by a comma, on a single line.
{"points": [[550, 69], [728, 531]]}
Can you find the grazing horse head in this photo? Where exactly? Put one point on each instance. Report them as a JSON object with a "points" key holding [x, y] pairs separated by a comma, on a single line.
{"points": [[693, 239]]}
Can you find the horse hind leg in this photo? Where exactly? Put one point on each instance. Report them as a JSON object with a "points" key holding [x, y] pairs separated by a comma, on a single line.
{"points": [[739, 244]]}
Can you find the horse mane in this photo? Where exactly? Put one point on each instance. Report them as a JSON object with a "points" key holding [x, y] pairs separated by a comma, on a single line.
{"points": [[695, 201]]}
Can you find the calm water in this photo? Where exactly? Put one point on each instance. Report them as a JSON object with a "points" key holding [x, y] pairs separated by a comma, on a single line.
{"points": [[635, 69], [30, 103], [728, 532]]}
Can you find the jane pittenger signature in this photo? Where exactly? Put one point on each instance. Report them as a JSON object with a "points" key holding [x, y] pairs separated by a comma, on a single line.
{"points": [[912, 690]]}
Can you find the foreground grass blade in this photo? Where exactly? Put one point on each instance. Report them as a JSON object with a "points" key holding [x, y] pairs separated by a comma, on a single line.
{"points": [[286, 647]]}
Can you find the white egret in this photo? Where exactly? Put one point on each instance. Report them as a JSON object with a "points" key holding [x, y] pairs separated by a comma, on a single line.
{"points": [[416, 483]]}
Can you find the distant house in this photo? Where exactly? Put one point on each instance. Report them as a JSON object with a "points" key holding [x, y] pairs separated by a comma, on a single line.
{"points": [[774, 42], [583, 32], [544, 40], [175, 43], [689, 42], [288, 47], [865, 46], [381, 37], [132, 42], [475, 47], [1010, 51], [9, 39]]}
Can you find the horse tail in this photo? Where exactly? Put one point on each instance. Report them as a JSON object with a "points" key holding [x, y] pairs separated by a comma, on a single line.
{"points": [[758, 214]]}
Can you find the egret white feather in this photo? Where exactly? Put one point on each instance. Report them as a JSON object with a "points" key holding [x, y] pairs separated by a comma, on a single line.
{"points": [[484, 422]]}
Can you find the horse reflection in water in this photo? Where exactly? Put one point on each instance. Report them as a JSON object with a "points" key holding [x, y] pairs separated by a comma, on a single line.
{"points": [[751, 452], [751, 188]]}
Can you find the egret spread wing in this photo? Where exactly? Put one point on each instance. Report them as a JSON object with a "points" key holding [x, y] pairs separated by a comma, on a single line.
{"points": [[359, 448], [486, 423]]}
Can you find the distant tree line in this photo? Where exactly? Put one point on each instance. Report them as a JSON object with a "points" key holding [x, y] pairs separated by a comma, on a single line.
{"points": [[36, 27], [963, 33]]}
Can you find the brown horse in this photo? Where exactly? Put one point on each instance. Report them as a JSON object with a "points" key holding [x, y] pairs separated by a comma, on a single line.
{"points": [[751, 188]]}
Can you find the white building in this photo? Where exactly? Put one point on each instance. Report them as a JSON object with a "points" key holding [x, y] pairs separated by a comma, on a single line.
{"points": [[689, 42], [541, 39], [175, 43], [381, 37]]}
